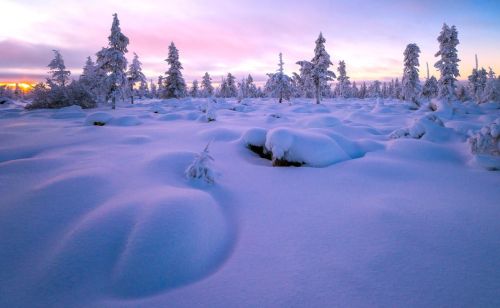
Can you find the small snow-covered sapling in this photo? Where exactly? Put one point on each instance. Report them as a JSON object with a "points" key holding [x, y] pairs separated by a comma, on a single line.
{"points": [[200, 169]]}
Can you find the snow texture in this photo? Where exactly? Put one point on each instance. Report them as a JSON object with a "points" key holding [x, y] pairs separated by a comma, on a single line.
{"points": [[105, 217]]}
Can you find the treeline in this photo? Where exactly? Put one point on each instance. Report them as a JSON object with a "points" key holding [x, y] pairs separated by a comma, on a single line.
{"points": [[108, 79]]}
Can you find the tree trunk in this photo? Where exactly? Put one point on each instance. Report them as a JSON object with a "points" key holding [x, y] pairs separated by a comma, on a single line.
{"points": [[318, 94], [113, 102], [132, 94]]}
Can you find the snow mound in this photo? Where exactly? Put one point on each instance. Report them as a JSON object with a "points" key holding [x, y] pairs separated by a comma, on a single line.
{"points": [[70, 112], [255, 137], [312, 149], [154, 242], [219, 134], [430, 125], [98, 118], [486, 142], [126, 121], [170, 117]]}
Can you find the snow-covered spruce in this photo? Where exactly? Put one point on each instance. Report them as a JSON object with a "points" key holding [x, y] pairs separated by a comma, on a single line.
{"points": [[200, 167], [135, 75], [342, 88], [207, 89], [279, 84], [320, 74], [410, 81], [175, 86], [448, 63], [112, 61], [58, 72], [486, 140]]}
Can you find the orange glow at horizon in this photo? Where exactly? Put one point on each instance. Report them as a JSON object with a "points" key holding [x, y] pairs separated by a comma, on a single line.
{"points": [[23, 85]]}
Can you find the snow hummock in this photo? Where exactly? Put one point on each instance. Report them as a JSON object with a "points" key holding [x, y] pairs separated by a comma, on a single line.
{"points": [[315, 150]]}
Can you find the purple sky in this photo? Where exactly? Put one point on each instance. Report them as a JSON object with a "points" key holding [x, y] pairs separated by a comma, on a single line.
{"points": [[244, 37]]}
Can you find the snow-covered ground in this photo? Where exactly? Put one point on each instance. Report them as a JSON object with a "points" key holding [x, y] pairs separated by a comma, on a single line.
{"points": [[390, 208]]}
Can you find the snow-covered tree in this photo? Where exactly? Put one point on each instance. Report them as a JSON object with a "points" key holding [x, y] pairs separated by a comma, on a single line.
{"points": [[228, 87], [113, 62], [200, 168], [250, 87], [398, 89], [195, 91], [279, 84], [58, 73], [143, 90], [410, 81], [374, 90], [342, 88], [320, 74], [207, 89], [303, 80], [153, 90], [363, 91], [354, 90], [135, 75], [492, 89], [448, 62], [161, 86], [175, 86], [430, 88], [477, 83]]}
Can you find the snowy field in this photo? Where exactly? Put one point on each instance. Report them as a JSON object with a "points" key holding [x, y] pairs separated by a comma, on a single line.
{"points": [[390, 208]]}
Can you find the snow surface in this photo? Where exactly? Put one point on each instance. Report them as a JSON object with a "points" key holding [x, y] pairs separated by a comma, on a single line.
{"points": [[104, 216]]}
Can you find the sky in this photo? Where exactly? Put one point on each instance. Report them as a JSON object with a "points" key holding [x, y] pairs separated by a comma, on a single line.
{"points": [[245, 37]]}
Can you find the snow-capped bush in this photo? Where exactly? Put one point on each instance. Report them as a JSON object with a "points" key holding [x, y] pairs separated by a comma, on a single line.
{"points": [[200, 169], [418, 129], [293, 147], [487, 140], [211, 113]]}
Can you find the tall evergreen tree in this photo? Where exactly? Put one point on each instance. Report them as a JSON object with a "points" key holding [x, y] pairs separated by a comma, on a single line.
{"points": [[135, 75], [113, 62], [58, 73], [206, 85], [410, 81], [304, 79], [279, 84], [195, 90], [448, 62], [228, 86], [153, 90], [320, 63], [175, 86], [343, 83], [492, 88], [363, 91]]}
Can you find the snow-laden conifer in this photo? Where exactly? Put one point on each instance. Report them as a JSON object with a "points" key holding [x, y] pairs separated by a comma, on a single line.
{"points": [[342, 88], [112, 61], [410, 81], [279, 84], [175, 86], [448, 62], [320, 74], [135, 75], [58, 73], [207, 89]]}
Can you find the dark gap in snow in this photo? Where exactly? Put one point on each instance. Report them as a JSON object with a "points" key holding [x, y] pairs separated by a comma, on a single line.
{"points": [[263, 153], [98, 123], [285, 163]]}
